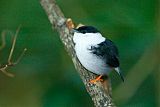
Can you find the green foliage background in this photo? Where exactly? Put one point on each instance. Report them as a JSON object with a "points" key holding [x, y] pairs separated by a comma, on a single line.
{"points": [[46, 76]]}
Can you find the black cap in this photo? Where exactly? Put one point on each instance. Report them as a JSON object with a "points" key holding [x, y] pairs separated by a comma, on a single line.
{"points": [[86, 29]]}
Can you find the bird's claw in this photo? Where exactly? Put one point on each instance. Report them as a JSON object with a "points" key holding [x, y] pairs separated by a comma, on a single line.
{"points": [[93, 81]]}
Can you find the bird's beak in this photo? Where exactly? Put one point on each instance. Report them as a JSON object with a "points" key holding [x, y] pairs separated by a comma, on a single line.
{"points": [[74, 30], [119, 73]]}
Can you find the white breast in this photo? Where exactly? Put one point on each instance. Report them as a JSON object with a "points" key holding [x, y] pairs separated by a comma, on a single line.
{"points": [[90, 61]]}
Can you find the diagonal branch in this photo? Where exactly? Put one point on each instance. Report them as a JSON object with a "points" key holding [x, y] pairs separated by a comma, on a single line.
{"points": [[13, 46], [99, 92]]}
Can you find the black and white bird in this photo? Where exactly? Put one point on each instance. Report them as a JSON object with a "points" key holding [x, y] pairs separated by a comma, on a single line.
{"points": [[96, 53]]}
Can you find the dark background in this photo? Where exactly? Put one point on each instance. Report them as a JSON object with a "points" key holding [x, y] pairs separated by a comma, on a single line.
{"points": [[46, 77]]}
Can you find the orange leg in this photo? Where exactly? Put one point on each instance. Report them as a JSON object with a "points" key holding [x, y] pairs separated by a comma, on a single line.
{"points": [[96, 79]]}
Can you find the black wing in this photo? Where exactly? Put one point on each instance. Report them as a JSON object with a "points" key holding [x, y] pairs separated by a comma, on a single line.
{"points": [[108, 51]]}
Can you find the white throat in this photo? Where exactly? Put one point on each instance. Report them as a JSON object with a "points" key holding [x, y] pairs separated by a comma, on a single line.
{"points": [[88, 38]]}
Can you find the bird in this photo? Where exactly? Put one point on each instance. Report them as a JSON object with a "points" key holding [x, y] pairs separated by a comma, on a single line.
{"points": [[96, 53]]}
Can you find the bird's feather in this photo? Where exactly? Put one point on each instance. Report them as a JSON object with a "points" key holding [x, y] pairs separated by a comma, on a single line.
{"points": [[108, 51]]}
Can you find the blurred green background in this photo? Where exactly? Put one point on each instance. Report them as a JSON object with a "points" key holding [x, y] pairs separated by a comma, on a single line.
{"points": [[46, 77]]}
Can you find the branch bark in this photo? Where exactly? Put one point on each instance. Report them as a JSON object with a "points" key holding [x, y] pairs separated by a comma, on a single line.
{"points": [[99, 92]]}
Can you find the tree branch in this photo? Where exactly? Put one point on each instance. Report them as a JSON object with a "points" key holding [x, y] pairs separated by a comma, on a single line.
{"points": [[99, 92], [9, 62]]}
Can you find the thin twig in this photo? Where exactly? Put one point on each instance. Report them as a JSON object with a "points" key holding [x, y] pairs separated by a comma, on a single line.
{"points": [[10, 63], [3, 34], [20, 57], [13, 45], [3, 37]]}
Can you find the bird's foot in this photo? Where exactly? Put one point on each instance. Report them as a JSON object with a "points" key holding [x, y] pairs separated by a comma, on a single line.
{"points": [[99, 78]]}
